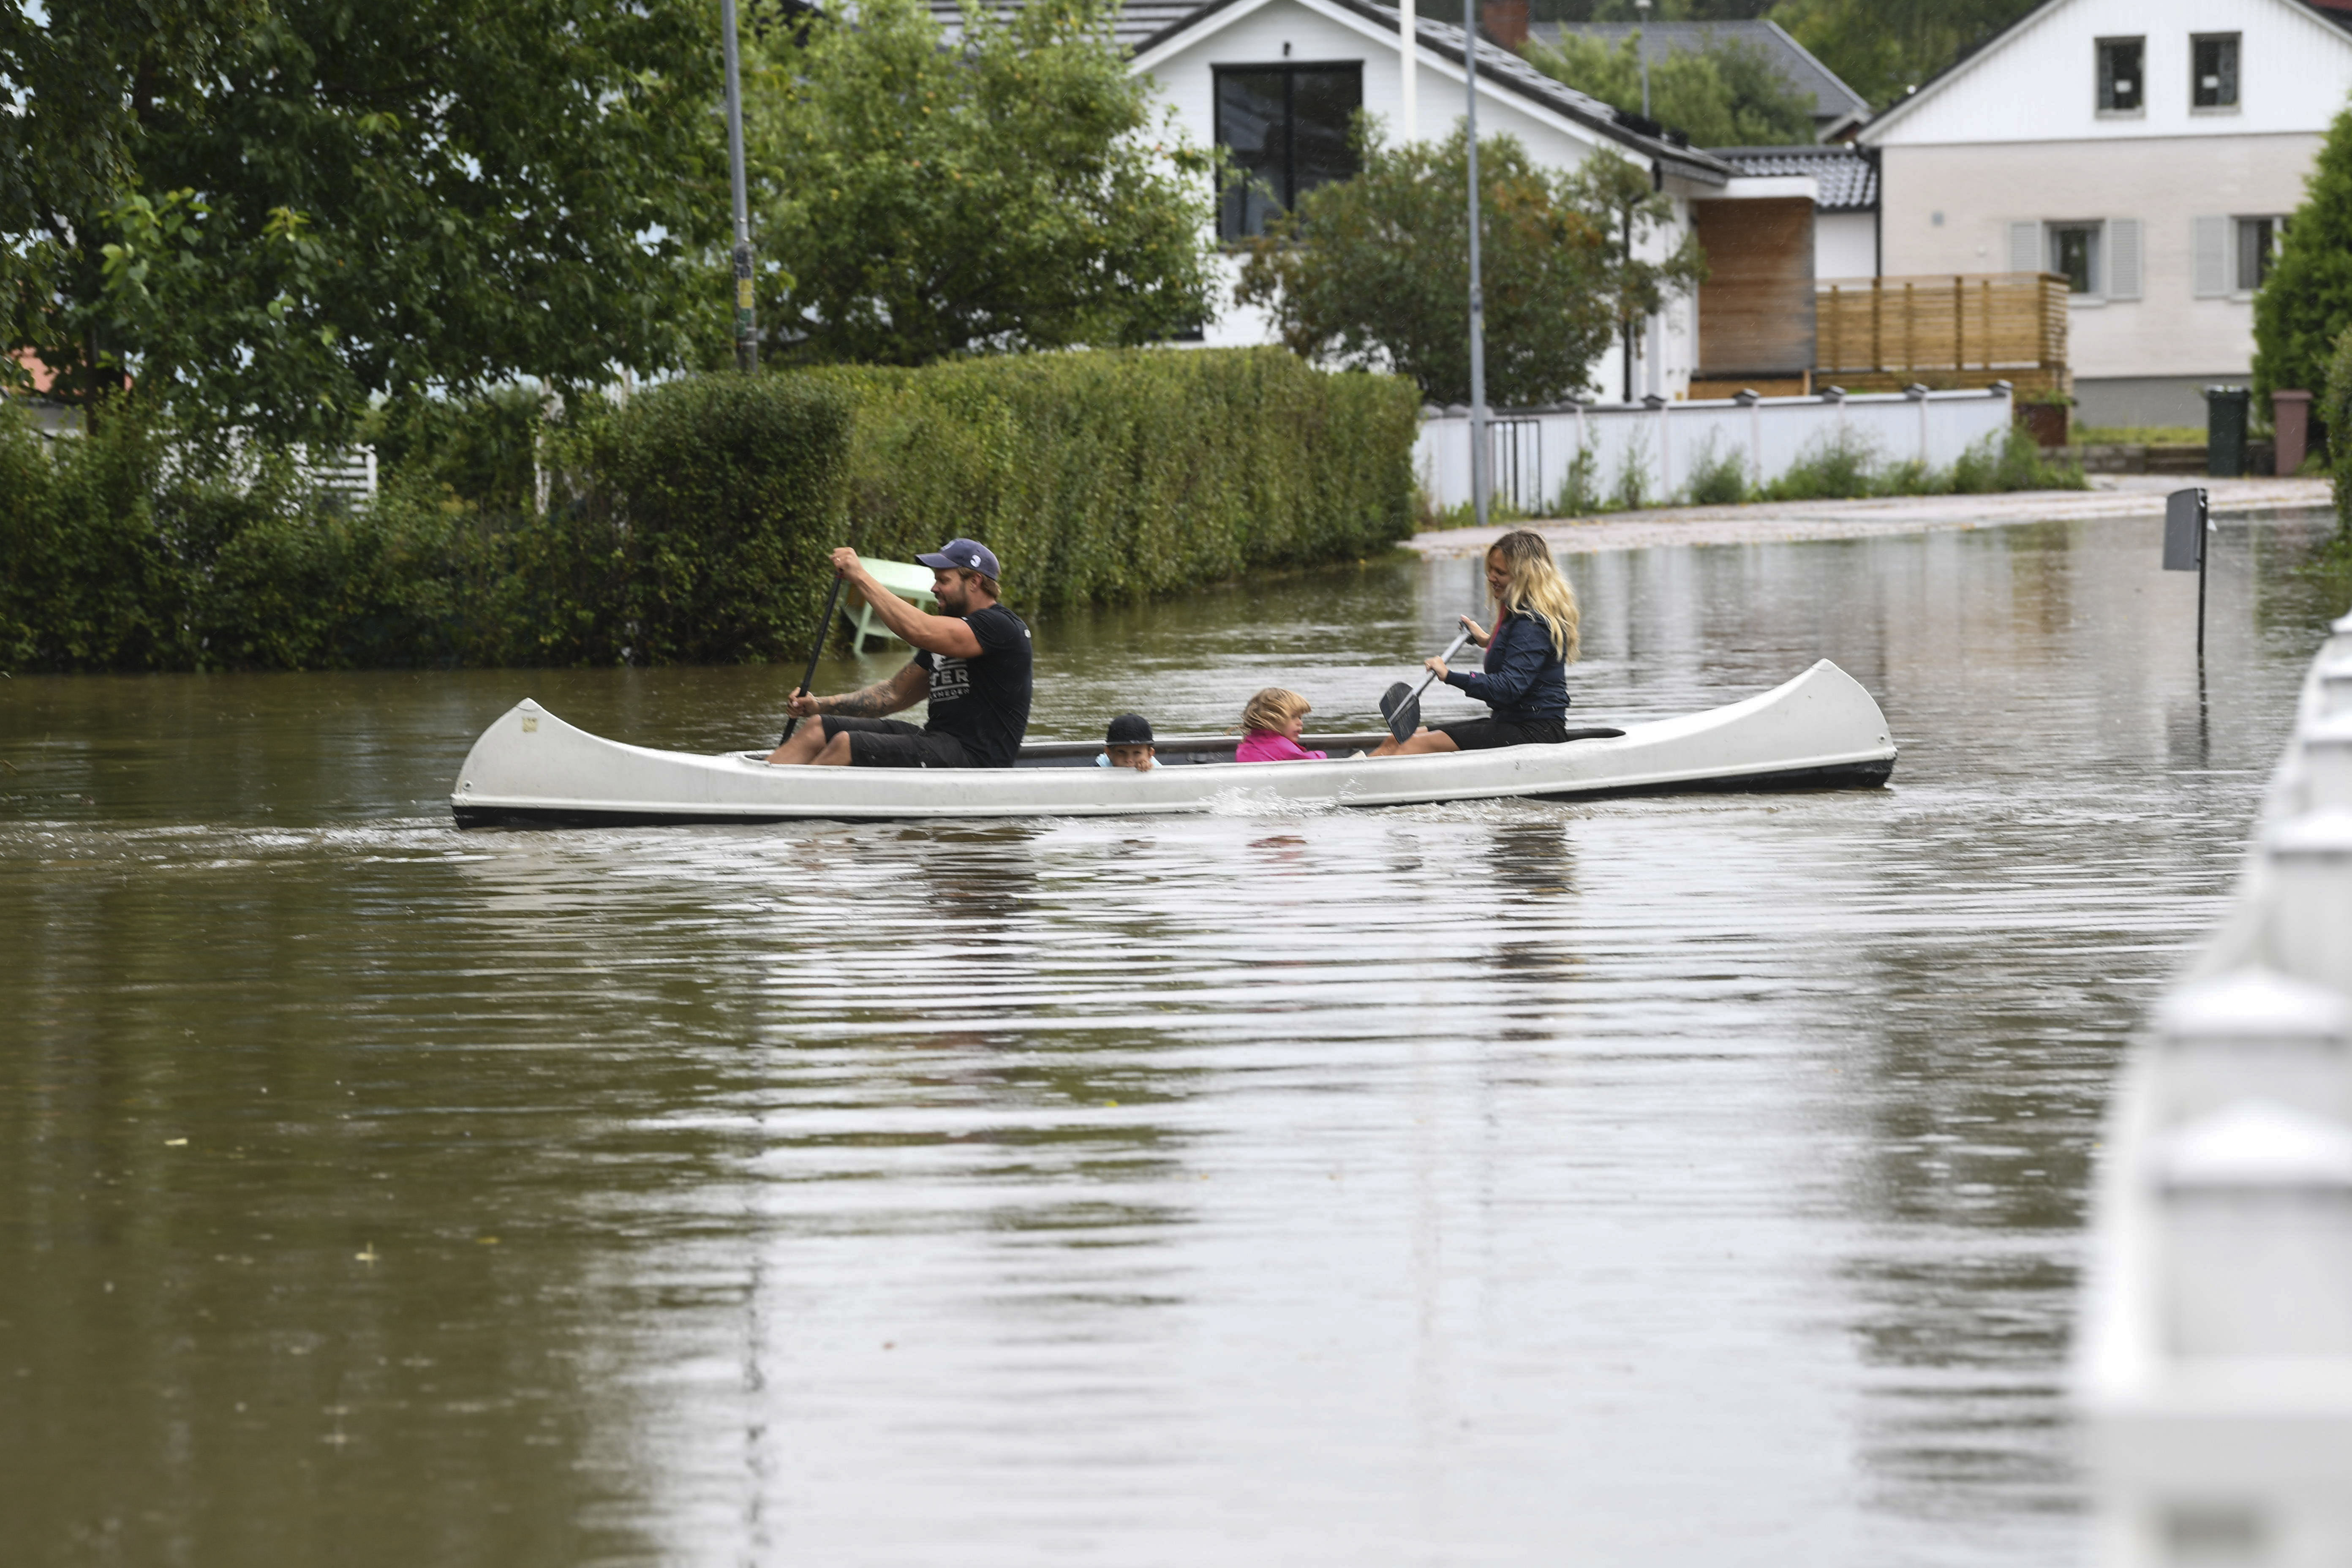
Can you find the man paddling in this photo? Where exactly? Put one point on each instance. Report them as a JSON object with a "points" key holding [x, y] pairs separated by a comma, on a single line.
{"points": [[972, 662]]}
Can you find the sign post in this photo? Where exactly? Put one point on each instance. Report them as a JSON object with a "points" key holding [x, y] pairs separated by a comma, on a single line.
{"points": [[2184, 526]]}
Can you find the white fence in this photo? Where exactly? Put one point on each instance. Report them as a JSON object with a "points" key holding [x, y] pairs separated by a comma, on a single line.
{"points": [[2215, 1361], [1646, 453]]}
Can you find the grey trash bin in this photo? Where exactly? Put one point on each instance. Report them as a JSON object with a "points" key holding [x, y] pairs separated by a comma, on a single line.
{"points": [[2225, 431]]}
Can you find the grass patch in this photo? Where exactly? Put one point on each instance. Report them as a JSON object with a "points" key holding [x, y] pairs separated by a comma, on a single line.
{"points": [[2138, 436]]}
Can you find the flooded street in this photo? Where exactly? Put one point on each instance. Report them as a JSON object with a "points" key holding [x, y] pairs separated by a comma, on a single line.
{"points": [[1693, 1181]]}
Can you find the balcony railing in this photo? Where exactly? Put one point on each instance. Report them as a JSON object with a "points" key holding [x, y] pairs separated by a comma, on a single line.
{"points": [[1945, 329]]}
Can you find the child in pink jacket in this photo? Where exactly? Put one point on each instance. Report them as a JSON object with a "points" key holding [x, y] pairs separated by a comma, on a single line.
{"points": [[1272, 724]]}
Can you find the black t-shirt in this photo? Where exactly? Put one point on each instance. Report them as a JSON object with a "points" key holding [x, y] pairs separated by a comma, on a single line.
{"points": [[984, 702]]}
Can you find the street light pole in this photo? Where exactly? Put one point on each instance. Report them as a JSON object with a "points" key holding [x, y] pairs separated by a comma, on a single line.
{"points": [[1642, 49], [1479, 454], [747, 334]]}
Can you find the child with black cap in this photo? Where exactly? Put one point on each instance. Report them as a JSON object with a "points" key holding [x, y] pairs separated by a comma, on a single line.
{"points": [[1127, 744]]}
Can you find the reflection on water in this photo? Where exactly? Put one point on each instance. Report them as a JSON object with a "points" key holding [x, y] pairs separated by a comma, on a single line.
{"points": [[1689, 1181]]}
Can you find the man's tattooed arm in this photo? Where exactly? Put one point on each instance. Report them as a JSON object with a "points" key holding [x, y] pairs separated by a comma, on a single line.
{"points": [[871, 703], [903, 690]]}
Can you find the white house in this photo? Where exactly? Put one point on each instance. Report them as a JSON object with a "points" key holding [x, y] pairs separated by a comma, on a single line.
{"points": [[1275, 82], [2148, 150]]}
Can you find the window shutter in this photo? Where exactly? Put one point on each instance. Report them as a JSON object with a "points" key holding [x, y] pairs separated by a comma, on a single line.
{"points": [[2211, 279], [2025, 249], [2123, 259]]}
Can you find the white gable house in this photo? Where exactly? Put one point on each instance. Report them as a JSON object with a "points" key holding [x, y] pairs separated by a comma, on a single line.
{"points": [[1276, 81], [2148, 150]]}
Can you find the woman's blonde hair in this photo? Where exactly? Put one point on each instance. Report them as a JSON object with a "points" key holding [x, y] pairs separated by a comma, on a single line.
{"points": [[1535, 587], [1271, 709]]}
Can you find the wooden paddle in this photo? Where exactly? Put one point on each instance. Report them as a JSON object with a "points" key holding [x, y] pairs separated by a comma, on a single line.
{"points": [[816, 648], [1405, 716]]}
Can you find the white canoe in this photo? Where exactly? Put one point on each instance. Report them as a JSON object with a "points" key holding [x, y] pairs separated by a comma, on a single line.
{"points": [[530, 769]]}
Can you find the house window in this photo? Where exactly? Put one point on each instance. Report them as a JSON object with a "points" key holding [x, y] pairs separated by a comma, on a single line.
{"points": [[2120, 81], [2258, 240], [1286, 129], [2074, 254], [2213, 70]]}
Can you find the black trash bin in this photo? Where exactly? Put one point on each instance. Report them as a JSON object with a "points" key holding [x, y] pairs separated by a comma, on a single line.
{"points": [[2225, 431]]}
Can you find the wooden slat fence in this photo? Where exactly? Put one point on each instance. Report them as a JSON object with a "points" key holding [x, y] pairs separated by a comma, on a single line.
{"points": [[1954, 328]]}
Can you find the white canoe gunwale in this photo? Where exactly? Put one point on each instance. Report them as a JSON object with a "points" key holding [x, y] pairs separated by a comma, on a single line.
{"points": [[530, 769]]}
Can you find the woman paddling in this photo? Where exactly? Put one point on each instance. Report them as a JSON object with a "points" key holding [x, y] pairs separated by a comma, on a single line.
{"points": [[1533, 641]]}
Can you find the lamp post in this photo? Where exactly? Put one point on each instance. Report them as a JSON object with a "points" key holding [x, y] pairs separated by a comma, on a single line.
{"points": [[1641, 49], [1478, 452], [1408, 56], [747, 338]]}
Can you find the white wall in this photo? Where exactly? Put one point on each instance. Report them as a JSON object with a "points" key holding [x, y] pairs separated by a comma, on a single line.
{"points": [[1978, 190], [1845, 245], [2037, 85], [1664, 445]]}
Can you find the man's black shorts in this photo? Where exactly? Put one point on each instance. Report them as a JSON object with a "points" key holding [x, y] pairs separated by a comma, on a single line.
{"points": [[1484, 735], [894, 743]]}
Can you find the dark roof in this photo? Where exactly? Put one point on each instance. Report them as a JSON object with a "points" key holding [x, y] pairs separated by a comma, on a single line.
{"points": [[1507, 70], [1848, 175], [1139, 21], [1834, 101]]}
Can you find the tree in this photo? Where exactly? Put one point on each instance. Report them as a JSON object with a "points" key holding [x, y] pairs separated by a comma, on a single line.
{"points": [[81, 81], [1726, 95], [1374, 271], [2306, 302], [1010, 190], [1882, 48], [332, 199]]}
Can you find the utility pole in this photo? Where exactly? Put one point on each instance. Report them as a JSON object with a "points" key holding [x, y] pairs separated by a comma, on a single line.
{"points": [[747, 330], [1408, 56], [1479, 454], [1641, 49]]}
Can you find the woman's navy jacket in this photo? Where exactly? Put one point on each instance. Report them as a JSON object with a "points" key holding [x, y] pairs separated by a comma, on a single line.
{"points": [[1524, 678]]}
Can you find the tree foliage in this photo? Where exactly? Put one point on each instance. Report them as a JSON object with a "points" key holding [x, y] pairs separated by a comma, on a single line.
{"points": [[1374, 271], [1882, 48], [2305, 303], [266, 211], [1727, 95], [1010, 190]]}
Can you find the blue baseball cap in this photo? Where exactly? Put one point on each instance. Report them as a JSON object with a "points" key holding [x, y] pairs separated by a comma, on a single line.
{"points": [[968, 554]]}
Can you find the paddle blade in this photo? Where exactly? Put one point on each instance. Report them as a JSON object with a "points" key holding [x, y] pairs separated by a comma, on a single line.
{"points": [[1401, 707]]}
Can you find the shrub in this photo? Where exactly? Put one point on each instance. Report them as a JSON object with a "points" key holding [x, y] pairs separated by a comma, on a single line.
{"points": [[86, 580], [2011, 460], [1839, 464], [1122, 474], [1580, 487], [731, 489], [1718, 478]]}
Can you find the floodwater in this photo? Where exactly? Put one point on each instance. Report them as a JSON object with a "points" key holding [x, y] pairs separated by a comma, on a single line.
{"points": [[1693, 1181]]}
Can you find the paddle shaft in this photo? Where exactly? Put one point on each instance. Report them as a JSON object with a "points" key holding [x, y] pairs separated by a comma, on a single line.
{"points": [[816, 648], [1450, 649]]}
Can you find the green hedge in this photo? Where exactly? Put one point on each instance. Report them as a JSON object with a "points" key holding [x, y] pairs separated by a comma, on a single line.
{"points": [[692, 525], [1120, 475]]}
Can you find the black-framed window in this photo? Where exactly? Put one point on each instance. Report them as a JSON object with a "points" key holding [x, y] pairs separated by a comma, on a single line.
{"points": [[1286, 130], [2074, 255], [2123, 80], [2213, 70]]}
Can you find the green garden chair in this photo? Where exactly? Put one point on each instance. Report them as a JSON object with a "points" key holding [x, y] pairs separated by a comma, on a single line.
{"points": [[904, 578]]}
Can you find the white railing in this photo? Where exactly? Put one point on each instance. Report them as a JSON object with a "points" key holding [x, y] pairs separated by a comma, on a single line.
{"points": [[1647, 453], [2214, 1368], [350, 471]]}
